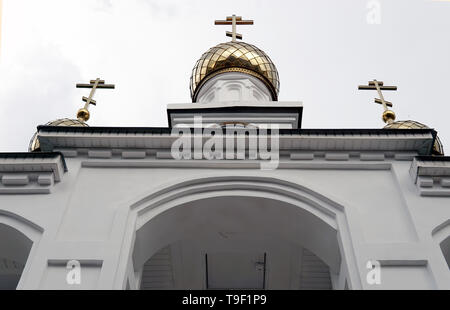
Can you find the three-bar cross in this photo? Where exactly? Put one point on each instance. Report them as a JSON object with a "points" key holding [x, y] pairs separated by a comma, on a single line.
{"points": [[233, 20], [83, 114]]}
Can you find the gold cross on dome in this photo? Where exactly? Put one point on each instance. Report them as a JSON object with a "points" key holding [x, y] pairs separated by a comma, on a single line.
{"points": [[388, 115], [83, 113], [233, 20]]}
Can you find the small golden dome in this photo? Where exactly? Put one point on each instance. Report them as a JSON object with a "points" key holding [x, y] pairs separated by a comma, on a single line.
{"points": [[388, 116], [438, 148], [235, 57], [34, 143]]}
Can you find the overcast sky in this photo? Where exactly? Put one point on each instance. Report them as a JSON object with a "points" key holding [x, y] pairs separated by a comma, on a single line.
{"points": [[323, 50]]}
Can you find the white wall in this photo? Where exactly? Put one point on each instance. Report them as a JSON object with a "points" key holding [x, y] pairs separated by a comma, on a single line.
{"points": [[89, 217], [233, 86]]}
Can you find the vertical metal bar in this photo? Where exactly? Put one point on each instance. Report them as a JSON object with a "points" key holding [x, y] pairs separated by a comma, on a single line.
{"points": [[91, 95], [207, 276], [381, 95], [234, 28], [264, 275]]}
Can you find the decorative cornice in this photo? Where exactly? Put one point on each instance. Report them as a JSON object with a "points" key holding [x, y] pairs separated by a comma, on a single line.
{"points": [[30, 173], [431, 174], [417, 141], [252, 111], [27, 157]]}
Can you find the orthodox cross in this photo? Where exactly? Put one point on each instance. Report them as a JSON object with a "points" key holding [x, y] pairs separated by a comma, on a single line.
{"points": [[388, 115], [83, 114], [234, 20]]}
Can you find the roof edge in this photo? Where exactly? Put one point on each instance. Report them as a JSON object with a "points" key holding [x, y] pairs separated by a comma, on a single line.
{"points": [[28, 155], [300, 131]]}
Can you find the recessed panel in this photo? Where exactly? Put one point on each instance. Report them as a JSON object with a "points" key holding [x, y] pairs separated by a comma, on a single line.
{"points": [[235, 270]]}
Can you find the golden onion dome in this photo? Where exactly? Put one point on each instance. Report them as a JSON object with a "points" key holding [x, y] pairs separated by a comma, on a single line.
{"points": [[34, 143], [235, 57], [438, 148]]}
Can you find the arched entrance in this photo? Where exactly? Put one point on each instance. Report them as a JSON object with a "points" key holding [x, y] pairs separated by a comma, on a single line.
{"points": [[18, 236], [445, 247], [442, 235], [240, 233]]}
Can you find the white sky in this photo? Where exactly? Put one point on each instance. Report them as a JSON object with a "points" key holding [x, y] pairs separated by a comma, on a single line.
{"points": [[323, 50]]}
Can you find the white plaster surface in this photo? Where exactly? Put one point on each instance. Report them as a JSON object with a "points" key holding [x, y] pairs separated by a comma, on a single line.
{"points": [[96, 213]]}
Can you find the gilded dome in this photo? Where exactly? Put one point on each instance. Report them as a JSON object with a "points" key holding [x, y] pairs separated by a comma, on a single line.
{"points": [[34, 143], [235, 57], [438, 149]]}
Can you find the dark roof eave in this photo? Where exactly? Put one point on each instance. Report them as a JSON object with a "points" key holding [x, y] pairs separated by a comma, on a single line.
{"points": [[27, 155], [167, 130], [433, 158]]}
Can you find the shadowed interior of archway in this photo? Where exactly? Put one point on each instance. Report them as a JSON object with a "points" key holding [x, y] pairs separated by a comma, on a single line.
{"points": [[445, 247], [14, 250], [232, 242]]}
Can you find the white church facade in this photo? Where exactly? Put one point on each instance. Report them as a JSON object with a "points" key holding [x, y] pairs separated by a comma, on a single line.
{"points": [[233, 194]]}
